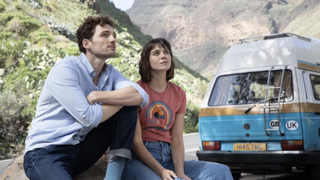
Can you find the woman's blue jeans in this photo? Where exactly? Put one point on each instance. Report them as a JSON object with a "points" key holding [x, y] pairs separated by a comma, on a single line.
{"points": [[161, 151]]}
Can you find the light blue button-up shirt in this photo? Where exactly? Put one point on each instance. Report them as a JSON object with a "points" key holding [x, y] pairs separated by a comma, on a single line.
{"points": [[63, 115]]}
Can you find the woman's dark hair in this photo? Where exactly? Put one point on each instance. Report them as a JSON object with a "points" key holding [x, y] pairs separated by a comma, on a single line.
{"points": [[87, 28], [144, 63]]}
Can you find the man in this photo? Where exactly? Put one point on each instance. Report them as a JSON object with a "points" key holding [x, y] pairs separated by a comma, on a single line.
{"points": [[85, 107]]}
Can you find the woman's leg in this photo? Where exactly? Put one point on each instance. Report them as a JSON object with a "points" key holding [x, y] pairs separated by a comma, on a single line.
{"points": [[202, 170], [137, 170]]}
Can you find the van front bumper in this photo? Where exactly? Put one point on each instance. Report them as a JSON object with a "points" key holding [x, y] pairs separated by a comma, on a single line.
{"points": [[261, 162]]}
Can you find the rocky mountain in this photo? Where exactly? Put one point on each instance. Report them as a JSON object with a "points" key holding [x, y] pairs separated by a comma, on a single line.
{"points": [[201, 31]]}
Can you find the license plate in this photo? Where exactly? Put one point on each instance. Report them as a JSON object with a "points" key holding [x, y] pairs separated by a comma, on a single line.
{"points": [[249, 146]]}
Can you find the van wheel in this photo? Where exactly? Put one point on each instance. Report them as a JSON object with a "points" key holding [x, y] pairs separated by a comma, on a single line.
{"points": [[236, 176], [315, 172]]}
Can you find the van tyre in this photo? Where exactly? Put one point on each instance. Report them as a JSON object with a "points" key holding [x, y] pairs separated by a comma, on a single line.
{"points": [[236, 176], [315, 172]]}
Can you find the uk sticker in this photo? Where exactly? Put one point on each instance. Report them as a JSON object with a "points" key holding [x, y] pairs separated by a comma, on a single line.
{"points": [[274, 124], [292, 125]]}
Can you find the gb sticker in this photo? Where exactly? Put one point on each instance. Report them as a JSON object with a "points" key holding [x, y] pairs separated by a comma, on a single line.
{"points": [[292, 125], [274, 124]]}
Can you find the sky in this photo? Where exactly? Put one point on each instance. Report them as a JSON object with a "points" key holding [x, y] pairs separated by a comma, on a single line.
{"points": [[123, 4]]}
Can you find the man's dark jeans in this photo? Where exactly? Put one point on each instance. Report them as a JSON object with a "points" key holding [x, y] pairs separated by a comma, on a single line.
{"points": [[61, 162]]}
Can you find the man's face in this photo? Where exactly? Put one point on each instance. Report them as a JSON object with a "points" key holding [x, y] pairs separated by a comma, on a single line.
{"points": [[103, 42]]}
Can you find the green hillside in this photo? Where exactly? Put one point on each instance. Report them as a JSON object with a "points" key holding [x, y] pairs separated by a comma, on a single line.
{"points": [[35, 34]]}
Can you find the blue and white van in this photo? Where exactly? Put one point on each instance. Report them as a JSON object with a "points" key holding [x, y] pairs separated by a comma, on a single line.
{"points": [[261, 111]]}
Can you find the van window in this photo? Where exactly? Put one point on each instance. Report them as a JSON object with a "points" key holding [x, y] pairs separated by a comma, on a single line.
{"points": [[249, 88], [315, 83]]}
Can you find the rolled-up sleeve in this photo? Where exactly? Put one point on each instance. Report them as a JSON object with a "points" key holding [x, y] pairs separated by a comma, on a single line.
{"points": [[63, 84], [120, 81]]}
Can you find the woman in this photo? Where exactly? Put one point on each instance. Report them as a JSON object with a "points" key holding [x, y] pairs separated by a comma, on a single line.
{"points": [[158, 142]]}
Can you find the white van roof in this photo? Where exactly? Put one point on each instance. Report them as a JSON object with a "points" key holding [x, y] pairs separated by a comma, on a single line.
{"points": [[278, 49]]}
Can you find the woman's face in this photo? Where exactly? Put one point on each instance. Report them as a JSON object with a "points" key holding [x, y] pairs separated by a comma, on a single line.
{"points": [[160, 59]]}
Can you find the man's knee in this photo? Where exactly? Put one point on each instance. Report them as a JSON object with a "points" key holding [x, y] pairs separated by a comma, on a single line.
{"points": [[130, 110], [129, 114]]}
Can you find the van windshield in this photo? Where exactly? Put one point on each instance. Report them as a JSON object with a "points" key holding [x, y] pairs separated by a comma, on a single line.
{"points": [[250, 88]]}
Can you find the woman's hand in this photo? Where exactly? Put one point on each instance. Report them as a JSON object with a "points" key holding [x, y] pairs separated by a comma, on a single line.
{"points": [[168, 175]]}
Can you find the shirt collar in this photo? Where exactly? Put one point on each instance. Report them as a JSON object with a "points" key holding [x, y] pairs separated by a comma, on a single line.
{"points": [[88, 65], [85, 61]]}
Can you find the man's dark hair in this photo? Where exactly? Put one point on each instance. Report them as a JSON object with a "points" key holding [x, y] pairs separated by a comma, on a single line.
{"points": [[144, 63], [87, 28]]}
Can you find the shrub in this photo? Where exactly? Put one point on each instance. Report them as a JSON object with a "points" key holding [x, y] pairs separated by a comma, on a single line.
{"points": [[13, 123], [191, 118], [20, 23], [22, 88], [10, 52], [14, 120], [72, 50], [2, 6], [39, 58], [63, 29], [17, 6], [5, 18], [23, 75], [5, 34], [31, 24], [15, 25], [42, 37]]}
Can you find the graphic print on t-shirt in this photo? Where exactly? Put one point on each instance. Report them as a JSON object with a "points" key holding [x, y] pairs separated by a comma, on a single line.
{"points": [[158, 116]]}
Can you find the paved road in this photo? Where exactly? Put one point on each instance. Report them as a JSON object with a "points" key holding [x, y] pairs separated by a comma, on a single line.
{"points": [[191, 145], [3, 165], [295, 175]]}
